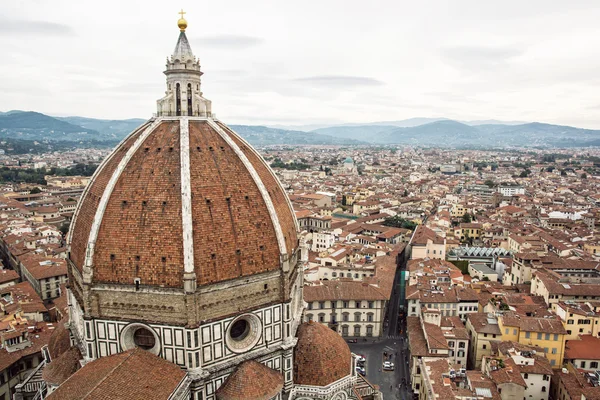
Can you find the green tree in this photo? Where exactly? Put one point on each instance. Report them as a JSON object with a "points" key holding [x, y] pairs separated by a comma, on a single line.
{"points": [[64, 229], [467, 218], [35, 190], [399, 222], [584, 176], [489, 183]]}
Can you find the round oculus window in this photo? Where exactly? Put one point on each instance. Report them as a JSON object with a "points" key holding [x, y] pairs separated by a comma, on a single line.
{"points": [[144, 339], [243, 333], [239, 330], [140, 336]]}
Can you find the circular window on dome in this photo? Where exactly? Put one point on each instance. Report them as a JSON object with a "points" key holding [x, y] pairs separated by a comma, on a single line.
{"points": [[144, 339], [243, 333], [142, 336], [239, 330]]}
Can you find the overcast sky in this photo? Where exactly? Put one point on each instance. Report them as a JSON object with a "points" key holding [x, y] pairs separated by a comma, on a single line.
{"points": [[304, 62]]}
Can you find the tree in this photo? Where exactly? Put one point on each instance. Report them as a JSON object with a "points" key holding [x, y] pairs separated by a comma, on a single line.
{"points": [[64, 228], [467, 218], [399, 222], [489, 183], [405, 194], [584, 176], [563, 173], [525, 173], [35, 190]]}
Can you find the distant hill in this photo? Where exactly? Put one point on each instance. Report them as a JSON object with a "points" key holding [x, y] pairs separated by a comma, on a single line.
{"points": [[34, 126], [449, 133], [30, 125], [116, 129], [264, 136]]}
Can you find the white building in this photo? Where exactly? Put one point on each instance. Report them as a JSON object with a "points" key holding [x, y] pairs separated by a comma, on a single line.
{"points": [[511, 190]]}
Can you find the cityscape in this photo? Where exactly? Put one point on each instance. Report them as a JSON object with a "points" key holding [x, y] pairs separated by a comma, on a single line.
{"points": [[181, 257]]}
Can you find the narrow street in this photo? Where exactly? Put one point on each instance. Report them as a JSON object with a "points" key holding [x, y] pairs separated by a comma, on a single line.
{"points": [[393, 384]]}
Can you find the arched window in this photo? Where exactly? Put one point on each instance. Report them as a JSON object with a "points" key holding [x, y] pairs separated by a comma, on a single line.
{"points": [[189, 100], [178, 99]]}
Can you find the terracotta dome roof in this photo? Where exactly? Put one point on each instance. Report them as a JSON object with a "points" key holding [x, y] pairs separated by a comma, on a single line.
{"points": [[182, 194], [251, 380], [59, 340], [130, 375], [321, 356], [62, 367]]}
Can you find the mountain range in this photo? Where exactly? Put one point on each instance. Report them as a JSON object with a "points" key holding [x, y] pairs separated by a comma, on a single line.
{"points": [[438, 132]]}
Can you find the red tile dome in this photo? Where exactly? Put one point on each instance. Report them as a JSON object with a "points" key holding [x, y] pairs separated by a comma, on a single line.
{"points": [[251, 380], [321, 356], [181, 195], [61, 368], [60, 340]]}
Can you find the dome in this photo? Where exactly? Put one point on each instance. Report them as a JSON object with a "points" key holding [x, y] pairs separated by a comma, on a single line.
{"points": [[251, 380], [60, 340], [321, 356], [181, 195], [61, 368], [130, 375]]}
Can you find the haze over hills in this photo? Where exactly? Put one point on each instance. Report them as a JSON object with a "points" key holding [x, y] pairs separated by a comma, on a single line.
{"points": [[30, 125]]}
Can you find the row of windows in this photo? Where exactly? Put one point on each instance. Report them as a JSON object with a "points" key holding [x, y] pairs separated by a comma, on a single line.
{"points": [[348, 275], [593, 364], [344, 304], [545, 336], [345, 317]]}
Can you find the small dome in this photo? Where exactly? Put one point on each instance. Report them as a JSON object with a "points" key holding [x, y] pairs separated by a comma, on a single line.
{"points": [[321, 356], [130, 375], [60, 340], [62, 367], [251, 380]]}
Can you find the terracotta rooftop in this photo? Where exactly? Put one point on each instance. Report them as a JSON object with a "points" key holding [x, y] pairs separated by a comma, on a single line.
{"points": [[130, 375], [61, 368], [240, 214], [587, 347], [321, 356], [251, 381]]}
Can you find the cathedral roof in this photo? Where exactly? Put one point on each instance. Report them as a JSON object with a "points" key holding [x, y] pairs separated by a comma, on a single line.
{"points": [[131, 375], [61, 368], [251, 380], [182, 195], [321, 356], [59, 340]]}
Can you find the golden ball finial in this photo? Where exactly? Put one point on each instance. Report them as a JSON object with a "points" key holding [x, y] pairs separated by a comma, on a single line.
{"points": [[182, 23]]}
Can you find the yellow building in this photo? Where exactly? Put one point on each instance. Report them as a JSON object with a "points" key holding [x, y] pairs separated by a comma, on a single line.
{"points": [[578, 319], [483, 329], [468, 230], [546, 333]]}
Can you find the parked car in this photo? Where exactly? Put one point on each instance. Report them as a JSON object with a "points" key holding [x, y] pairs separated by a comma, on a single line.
{"points": [[361, 370], [360, 358], [351, 340], [388, 366]]}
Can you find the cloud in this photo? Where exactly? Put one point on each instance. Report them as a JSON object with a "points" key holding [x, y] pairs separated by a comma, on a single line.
{"points": [[479, 57], [228, 41], [22, 27], [340, 80]]}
